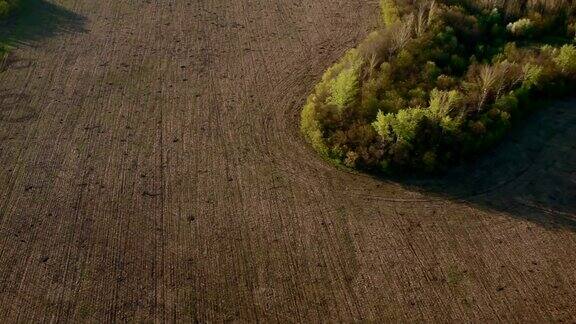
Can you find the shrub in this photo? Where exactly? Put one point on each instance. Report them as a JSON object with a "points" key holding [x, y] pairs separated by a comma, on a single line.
{"points": [[566, 59], [429, 160], [351, 159], [532, 75], [443, 103], [522, 27], [311, 128], [383, 125]]}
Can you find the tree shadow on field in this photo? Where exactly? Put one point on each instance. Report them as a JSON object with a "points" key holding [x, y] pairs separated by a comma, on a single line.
{"points": [[530, 175], [36, 20]]}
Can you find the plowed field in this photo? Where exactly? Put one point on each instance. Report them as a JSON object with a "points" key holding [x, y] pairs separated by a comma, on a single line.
{"points": [[152, 170]]}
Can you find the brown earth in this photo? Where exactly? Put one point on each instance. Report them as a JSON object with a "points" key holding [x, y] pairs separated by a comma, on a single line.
{"points": [[152, 170]]}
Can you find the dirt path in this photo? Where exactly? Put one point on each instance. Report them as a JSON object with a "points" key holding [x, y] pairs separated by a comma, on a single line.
{"points": [[152, 170]]}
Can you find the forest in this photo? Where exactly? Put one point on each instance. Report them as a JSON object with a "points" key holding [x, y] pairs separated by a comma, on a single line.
{"points": [[439, 82]]}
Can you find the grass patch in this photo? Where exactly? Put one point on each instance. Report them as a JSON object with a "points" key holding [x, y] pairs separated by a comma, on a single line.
{"points": [[441, 82]]}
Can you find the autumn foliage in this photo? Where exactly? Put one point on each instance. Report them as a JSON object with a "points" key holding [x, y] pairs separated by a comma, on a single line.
{"points": [[441, 81]]}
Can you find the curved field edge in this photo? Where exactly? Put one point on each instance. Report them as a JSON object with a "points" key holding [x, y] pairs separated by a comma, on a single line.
{"points": [[440, 83]]}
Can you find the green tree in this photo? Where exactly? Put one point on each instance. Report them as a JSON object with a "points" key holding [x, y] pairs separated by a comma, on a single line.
{"points": [[389, 11], [344, 88], [566, 59]]}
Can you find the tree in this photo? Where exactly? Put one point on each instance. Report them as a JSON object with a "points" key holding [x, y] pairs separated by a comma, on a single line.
{"points": [[566, 59], [390, 12]]}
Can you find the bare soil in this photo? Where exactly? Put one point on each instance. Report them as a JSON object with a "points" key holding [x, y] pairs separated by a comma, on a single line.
{"points": [[152, 170]]}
